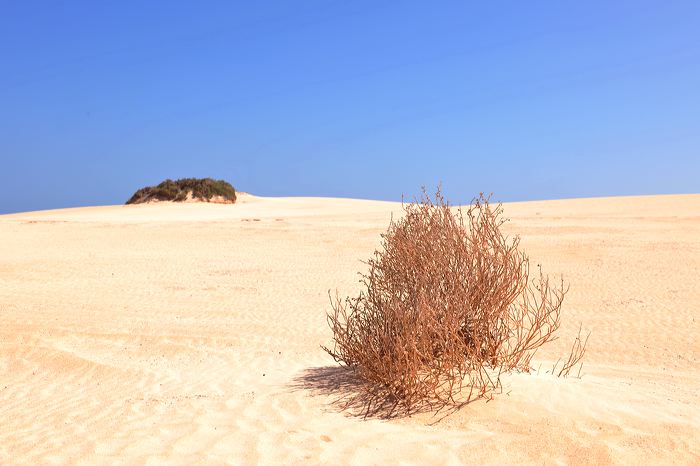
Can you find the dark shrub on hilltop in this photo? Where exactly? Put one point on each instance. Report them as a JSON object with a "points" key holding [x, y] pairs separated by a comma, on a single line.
{"points": [[201, 188]]}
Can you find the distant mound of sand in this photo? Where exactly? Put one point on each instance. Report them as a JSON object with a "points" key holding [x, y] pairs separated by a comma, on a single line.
{"points": [[186, 190]]}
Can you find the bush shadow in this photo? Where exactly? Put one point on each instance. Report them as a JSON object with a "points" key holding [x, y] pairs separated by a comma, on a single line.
{"points": [[351, 394]]}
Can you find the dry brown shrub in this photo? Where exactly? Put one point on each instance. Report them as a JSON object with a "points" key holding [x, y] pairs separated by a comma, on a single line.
{"points": [[448, 303]]}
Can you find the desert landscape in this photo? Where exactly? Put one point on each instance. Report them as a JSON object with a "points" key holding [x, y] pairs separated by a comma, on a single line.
{"points": [[191, 333]]}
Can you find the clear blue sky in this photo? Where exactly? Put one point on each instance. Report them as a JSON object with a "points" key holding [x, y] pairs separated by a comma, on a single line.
{"points": [[529, 100]]}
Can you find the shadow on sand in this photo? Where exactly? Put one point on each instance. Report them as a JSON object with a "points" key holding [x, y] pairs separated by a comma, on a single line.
{"points": [[351, 394]]}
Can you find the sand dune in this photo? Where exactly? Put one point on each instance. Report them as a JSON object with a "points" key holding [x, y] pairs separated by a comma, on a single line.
{"points": [[189, 333]]}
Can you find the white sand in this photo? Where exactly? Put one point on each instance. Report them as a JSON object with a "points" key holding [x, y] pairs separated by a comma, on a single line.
{"points": [[190, 333]]}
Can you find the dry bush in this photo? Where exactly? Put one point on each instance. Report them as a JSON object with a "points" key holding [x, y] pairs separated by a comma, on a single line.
{"points": [[448, 303]]}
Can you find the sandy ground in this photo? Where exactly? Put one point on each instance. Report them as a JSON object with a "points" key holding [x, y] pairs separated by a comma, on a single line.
{"points": [[190, 333]]}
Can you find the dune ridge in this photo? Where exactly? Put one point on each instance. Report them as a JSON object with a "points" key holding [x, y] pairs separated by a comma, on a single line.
{"points": [[191, 333]]}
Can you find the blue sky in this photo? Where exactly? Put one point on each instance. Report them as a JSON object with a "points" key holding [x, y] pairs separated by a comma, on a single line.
{"points": [[529, 100]]}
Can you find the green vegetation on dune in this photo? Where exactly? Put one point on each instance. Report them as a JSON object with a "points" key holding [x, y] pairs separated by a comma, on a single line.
{"points": [[201, 188]]}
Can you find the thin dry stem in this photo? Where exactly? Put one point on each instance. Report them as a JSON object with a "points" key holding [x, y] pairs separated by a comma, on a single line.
{"points": [[578, 349]]}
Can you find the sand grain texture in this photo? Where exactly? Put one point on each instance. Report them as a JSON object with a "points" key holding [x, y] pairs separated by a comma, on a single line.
{"points": [[190, 333]]}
